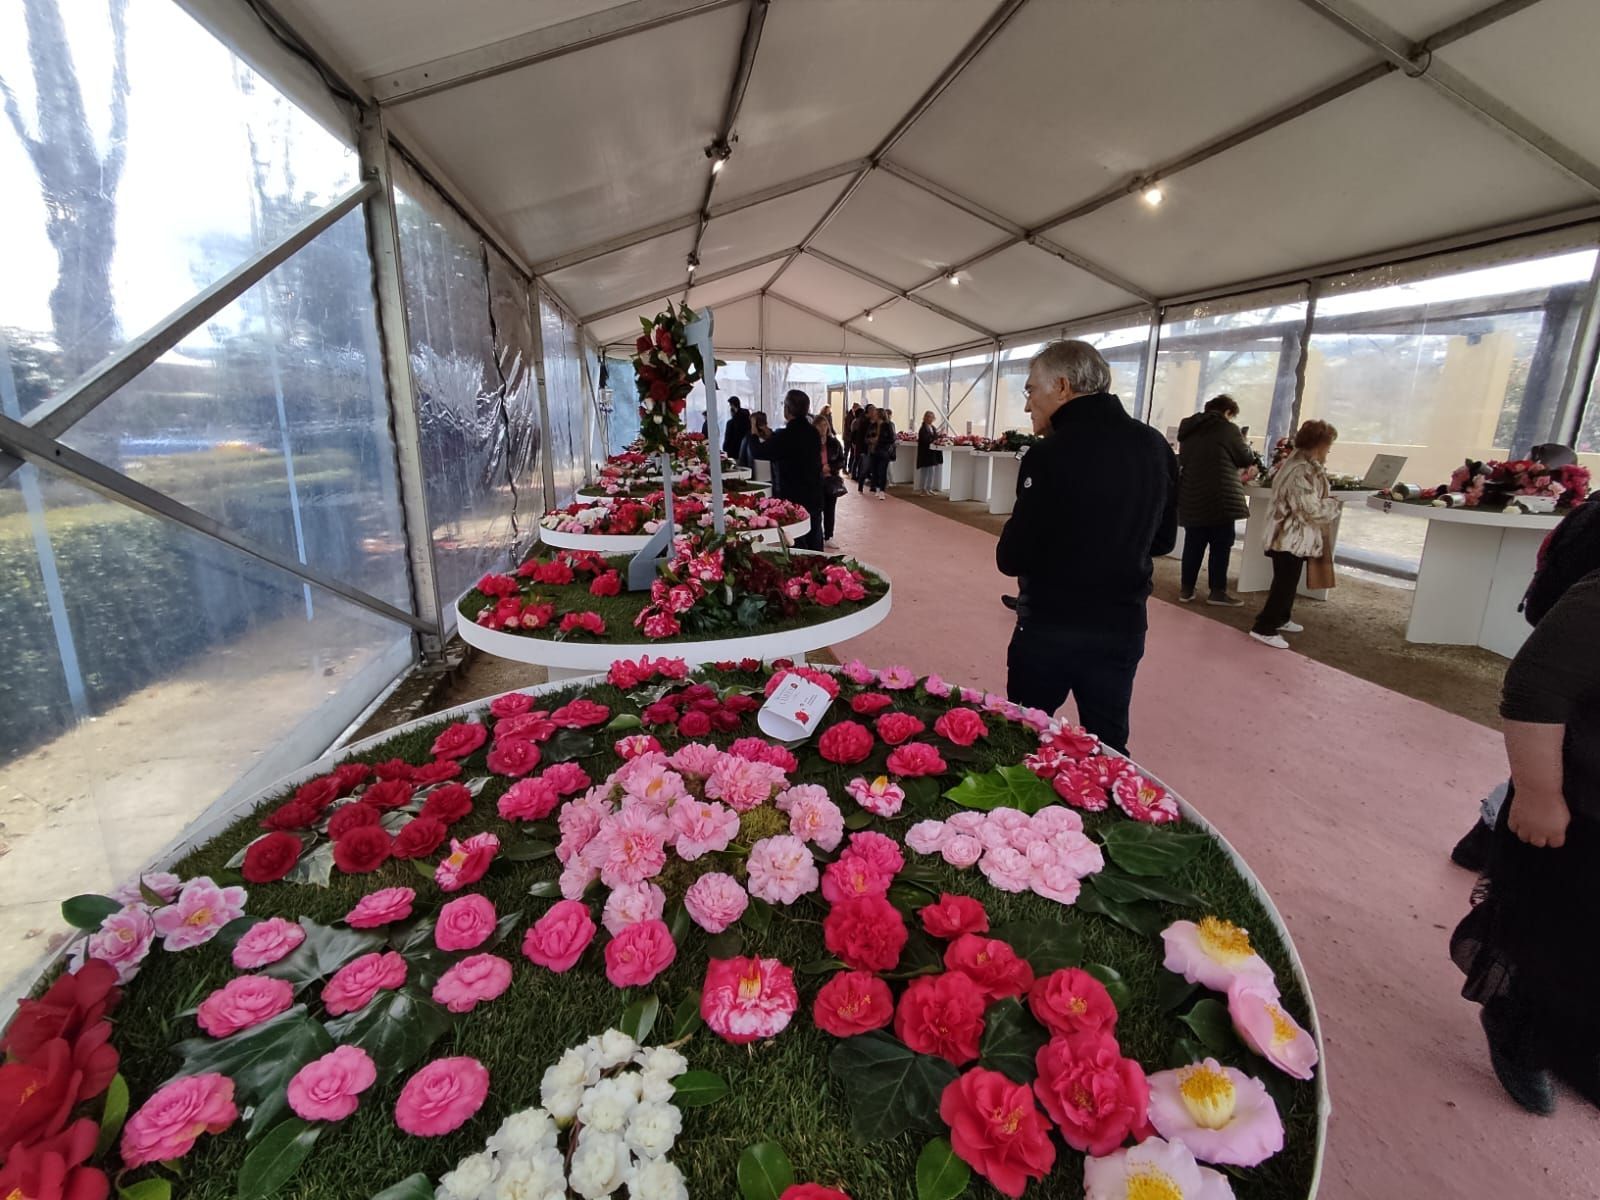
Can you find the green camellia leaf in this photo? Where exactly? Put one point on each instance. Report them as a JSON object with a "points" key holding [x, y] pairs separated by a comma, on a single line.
{"points": [[758, 915], [396, 1028], [88, 911], [324, 951], [940, 1174], [726, 944], [1143, 849], [686, 1017], [891, 1088], [1046, 947], [260, 1061], [147, 1189], [1004, 787], [640, 1018], [696, 1089], [1121, 994], [113, 1114], [228, 936], [678, 923], [423, 867], [568, 745], [1172, 990], [1127, 889], [545, 889], [622, 722], [150, 896], [1141, 916], [820, 966], [921, 794], [859, 819], [315, 867], [412, 1187], [275, 1157], [1184, 1051], [1011, 1041], [764, 1172], [525, 851], [1213, 1026]]}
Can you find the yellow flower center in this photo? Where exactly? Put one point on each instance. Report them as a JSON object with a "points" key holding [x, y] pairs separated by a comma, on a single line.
{"points": [[1284, 1030], [750, 986], [456, 859], [125, 934], [23, 1099], [1208, 1094], [1151, 1184], [1007, 1121], [880, 785], [1224, 941], [1077, 1006], [15, 1194], [199, 916]]}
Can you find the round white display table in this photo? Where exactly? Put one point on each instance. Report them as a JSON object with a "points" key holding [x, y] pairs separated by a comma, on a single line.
{"points": [[1255, 568], [1003, 465], [1475, 568], [566, 659], [619, 543], [960, 464], [654, 477]]}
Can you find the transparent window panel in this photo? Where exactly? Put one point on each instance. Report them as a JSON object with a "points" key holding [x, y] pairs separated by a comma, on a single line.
{"points": [[1010, 401], [113, 214], [932, 395], [518, 380], [565, 394], [971, 384], [1249, 355], [272, 418], [882, 387], [147, 673], [736, 377], [622, 424]]}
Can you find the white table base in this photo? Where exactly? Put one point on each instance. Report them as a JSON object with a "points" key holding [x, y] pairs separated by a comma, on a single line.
{"points": [[1003, 483], [981, 477], [959, 467], [904, 467]]}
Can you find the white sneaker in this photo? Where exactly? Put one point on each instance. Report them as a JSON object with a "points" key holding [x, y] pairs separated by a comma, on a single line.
{"points": [[1276, 642], [1291, 627], [883, 495]]}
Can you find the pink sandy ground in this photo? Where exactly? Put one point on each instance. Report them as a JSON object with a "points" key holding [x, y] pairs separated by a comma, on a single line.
{"points": [[1345, 799]]}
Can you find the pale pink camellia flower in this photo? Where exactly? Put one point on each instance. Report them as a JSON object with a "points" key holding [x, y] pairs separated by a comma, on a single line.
{"points": [[355, 984], [897, 679], [1145, 800], [857, 671], [695, 759], [630, 847], [1155, 1168], [1037, 719], [382, 907], [199, 913], [163, 883], [1075, 851], [881, 797], [653, 786], [701, 827], [639, 953], [927, 837], [558, 939], [329, 1088], [442, 1096], [1221, 1114], [1056, 818], [577, 878], [781, 869], [266, 942], [1264, 1026], [467, 862], [579, 821], [464, 923], [969, 823], [747, 999], [123, 940], [1055, 882], [243, 1002], [743, 785], [1007, 869], [470, 982], [995, 703], [785, 800], [1008, 819], [936, 686], [971, 695], [631, 903], [528, 800], [961, 849], [169, 1123], [1215, 954], [636, 744], [715, 901], [818, 820]]}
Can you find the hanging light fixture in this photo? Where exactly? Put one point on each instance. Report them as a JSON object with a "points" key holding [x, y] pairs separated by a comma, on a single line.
{"points": [[719, 151], [953, 279], [1154, 195], [869, 316]]}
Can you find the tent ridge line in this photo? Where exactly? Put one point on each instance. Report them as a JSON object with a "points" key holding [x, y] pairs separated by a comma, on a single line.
{"points": [[900, 293], [657, 294]]}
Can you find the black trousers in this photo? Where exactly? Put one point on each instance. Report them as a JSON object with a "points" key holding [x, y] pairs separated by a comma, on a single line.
{"points": [[878, 473], [1197, 539], [813, 538], [1046, 664], [830, 502], [1279, 607]]}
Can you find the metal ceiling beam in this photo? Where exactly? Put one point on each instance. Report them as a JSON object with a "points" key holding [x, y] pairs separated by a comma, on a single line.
{"points": [[868, 277], [639, 301], [821, 316], [540, 45], [729, 303]]}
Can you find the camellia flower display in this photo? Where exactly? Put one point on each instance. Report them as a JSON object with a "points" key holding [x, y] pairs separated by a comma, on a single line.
{"points": [[666, 366], [904, 936], [743, 513]]}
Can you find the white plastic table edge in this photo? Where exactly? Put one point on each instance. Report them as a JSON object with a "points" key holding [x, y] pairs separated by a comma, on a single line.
{"points": [[628, 543], [1467, 516]]}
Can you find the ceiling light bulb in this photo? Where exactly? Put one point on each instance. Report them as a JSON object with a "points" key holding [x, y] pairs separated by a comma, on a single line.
{"points": [[717, 165], [692, 266], [1153, 195], [869, 318]]}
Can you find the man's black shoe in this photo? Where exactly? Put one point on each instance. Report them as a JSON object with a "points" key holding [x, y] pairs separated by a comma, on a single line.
{"points": [[1530, 1087], [1009, 601], [1472, 851]]}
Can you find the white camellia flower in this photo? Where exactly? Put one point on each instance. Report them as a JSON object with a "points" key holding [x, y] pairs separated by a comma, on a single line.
{"points": [[657, 1180], [473, 1179], [653, 1129], [562, 1103], [662, 1060], [525, 1134], [541, 1177], [572, 1069], [631, 1082], [600, 1165], [616, 1048], [607, 1106], [656, 1089]]}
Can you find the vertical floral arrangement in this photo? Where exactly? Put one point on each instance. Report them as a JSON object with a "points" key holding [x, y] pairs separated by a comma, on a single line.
{"points": [[666, 368]]}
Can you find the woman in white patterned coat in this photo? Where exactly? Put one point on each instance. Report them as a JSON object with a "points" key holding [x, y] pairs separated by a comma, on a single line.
{"points": [[1303, 513]]}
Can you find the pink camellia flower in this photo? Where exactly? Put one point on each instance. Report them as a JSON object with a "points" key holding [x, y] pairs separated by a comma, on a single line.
{"points": [[961, 850], [701, 827], [648, 782], [857, 671], [1154, 1167], [382, 907], [897, 727], [1054, 819], [935, 686], [514, 757], [581, 713], [1006, 868], [817, 819], [464, 923], [970, 696], [631, 903], [169, 1123], [760, 750], [747, 999], [355, 984], [781, 869], [579, 821], [695, 759], [785, 800], [460, 740], [1094, 1094], [442, 1096], [1221, 1114], [630, 846], [200, 911], [163, 883], [991, 964], [329, 1088], [1071, 1001], [467, 861], [715, 901], [1266, 1028], [243, 1002], [266, 942], [470, 982], [637, 744], [1144, 800], [742, 784], [512, 704], [558, 939], [961, 726], [576, 879], [1037, 719], [639, 953], [897, 679], [123, 940], [528, 800], [927, 837], [568, 778], [530, 726], [879, 797], [1215, 954], [915, 759]]}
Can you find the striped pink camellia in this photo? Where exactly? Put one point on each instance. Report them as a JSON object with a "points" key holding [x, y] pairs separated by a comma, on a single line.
{"points": [[747, 999]]}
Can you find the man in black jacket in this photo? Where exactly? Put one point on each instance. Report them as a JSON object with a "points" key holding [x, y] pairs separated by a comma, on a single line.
{"points": [[795, 452], [1095, 500], [736, 429], [1211, 453]]}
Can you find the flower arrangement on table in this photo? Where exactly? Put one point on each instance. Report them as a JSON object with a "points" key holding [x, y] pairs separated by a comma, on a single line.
{"points": [[632, 469], [1260, 474], [1494, 486], [972, 441], [1013, 441], [965, 951], [629, 517], [709, 586], [693, 482], [666, 366]]}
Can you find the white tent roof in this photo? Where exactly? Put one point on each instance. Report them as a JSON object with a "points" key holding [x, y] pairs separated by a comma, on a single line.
{"points": [[880, 144]]}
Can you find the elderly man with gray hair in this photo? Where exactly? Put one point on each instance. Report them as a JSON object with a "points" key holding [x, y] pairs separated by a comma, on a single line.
{"points": [[1096, 499]]}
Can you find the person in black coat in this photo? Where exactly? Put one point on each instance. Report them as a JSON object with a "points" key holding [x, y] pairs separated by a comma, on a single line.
{"points": [[832, 475], [880, 453], [795, 452], [1211, 453], [929, 460], [1096, 499], [736, 429]]}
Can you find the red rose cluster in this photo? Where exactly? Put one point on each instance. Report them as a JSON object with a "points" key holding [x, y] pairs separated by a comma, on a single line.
{"points": [[697, 710]]}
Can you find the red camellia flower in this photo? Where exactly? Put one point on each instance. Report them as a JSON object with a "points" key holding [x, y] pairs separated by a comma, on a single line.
{"points": [[895, 728], [869, 704], [996, 1129], [1095, 1096], [448, 804], [607, 584], [350, 776], [497, 585], [362, 850], [534, 726], [695, 724], [460, 740], [439, 770], [512, 704], [989, 963], [1071, 1001], [847, 742], [53, 1169], [554, 572], [961, 726], [942, 1015], [69, 1005], [419, 837], [514, 757], [954, 916], [394, 768], [37, 1094], [320, 792], [387, 794], [270, 858], [853, 1002], [867, 933], [828, 595], [296, 814], [581, 714], [583, 622], [915, 759], [811, 1191], [350, 816]]}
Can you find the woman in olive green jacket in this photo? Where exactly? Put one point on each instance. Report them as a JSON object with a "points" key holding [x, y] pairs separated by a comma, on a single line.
{"points": [[1211, 453]]}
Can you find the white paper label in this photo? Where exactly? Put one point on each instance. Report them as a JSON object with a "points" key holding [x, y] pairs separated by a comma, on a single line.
{"points": [[794, 710]]}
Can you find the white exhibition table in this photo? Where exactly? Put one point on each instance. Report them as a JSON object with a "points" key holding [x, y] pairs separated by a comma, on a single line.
{"points": [[620, 543], [1255, 568], [962, 465], [1003, 465], [904, 467], [1475, 568]]}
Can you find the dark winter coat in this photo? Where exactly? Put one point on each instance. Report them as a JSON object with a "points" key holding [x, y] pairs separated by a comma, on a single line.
{"points": [[927, 455], [1211, 453]]}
